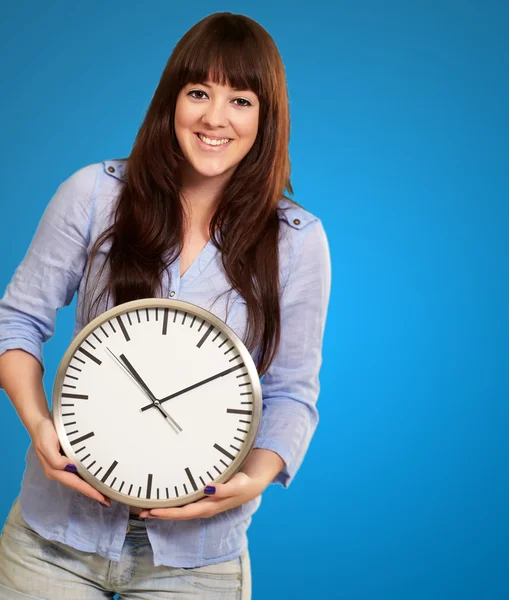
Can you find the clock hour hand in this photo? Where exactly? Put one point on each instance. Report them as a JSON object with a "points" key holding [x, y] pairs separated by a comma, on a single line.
{"points": [[131, 371], [195, 385]]}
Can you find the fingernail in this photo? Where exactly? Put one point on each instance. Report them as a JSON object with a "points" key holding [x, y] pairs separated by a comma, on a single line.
{"points": [[102, 504], [210, 489], [71, 468]]}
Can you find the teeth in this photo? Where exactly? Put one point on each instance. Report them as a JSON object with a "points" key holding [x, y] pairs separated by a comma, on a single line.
{"points": [[212, 142]]}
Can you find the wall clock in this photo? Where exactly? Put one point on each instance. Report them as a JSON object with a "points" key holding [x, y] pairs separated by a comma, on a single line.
{"points": [[154, 400]]}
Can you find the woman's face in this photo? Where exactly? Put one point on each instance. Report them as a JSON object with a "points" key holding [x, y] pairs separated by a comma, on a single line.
{"points": [[219, 113]]}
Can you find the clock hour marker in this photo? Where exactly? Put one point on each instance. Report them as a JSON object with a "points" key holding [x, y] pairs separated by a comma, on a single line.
{"points": [[91, 356], [122, 327], [205, 336], [77, 396], [239, 411], [109, 471], [82, 438], [149, 485], [225, 452], [191, 479], [165, 321]]}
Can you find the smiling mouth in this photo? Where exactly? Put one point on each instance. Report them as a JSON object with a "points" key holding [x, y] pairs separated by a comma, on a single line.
{"points": [[213, 146]]}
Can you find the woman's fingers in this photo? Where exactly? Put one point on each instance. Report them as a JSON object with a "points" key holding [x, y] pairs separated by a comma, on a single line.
{"points": [[58, 467]]}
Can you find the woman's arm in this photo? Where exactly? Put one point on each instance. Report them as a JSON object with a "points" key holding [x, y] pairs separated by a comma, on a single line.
{"points": [[45, 281], [21, 378]]}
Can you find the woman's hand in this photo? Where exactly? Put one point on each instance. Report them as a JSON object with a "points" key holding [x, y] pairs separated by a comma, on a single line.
{"points": [[238, 490], [47, 448], [256, 473]]}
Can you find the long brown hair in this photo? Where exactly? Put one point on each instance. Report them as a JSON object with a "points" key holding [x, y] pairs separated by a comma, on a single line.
{"points": [[147, 231]]}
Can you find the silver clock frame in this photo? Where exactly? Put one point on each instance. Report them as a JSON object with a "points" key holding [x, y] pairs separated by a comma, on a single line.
{"points": [[192, 309]]}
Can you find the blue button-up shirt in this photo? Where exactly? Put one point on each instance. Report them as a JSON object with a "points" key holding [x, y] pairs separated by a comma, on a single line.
{"points": [[48, 278]]}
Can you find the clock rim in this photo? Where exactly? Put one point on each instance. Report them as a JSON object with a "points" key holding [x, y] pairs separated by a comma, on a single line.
{"points": [[171, 303]]}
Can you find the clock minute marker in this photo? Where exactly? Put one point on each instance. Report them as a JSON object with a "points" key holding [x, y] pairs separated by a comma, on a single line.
{"points": [[83, 438], [191, 479], [205, 336], [165, 321], [122, 327], [225, 452], [109, 471], [91, 356]]}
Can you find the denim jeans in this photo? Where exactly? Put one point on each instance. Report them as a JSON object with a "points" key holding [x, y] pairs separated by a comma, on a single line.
{"points": [[32, 567]]}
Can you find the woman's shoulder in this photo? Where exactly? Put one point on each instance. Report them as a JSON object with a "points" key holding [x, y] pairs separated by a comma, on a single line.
{"points": [[293, 215]]}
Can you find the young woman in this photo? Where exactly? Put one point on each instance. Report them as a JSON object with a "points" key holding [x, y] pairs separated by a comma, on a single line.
{"points": [[197, 212]]}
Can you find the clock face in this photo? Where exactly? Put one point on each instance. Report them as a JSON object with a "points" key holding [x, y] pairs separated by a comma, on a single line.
{"points": [[154, 400]]}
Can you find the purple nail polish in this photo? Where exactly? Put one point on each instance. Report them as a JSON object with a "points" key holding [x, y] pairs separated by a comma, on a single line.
{"points": [[102, 504], [210, 489], [71, 468]]}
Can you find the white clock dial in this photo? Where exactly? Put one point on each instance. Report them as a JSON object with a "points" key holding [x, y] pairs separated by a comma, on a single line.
{"points": [[156, 399]]}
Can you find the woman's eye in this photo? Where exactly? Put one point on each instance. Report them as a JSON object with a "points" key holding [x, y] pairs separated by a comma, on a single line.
{"points": [[243, 101], [196, 92], [247, 103]]}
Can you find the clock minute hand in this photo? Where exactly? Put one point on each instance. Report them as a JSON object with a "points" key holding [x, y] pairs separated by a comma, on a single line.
{"points": [[131, 371], [195, 385]]}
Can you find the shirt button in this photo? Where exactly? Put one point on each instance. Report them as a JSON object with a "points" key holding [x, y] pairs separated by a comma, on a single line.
{"points": [[111, 169], [296, 221], [172, 294]]}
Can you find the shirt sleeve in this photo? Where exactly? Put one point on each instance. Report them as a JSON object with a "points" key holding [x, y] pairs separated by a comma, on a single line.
{"points": [[291, 386], [52, 268]]}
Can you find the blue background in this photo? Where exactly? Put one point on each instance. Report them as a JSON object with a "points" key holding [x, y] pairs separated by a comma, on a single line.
{"points": [[399, 143]]}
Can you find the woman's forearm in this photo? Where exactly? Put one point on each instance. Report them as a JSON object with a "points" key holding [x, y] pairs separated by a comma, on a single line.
{"points": [[263, 465], [21, 378]]}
